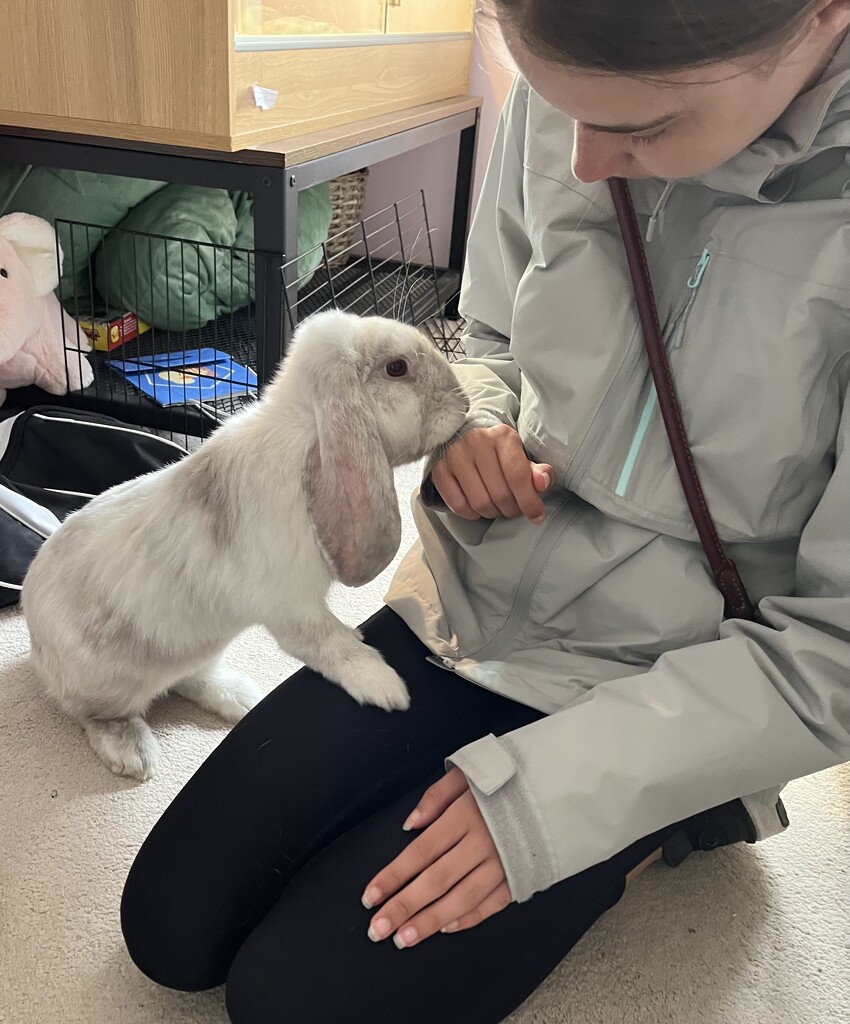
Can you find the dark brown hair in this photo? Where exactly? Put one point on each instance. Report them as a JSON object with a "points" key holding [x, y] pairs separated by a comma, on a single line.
{"points": [[651, 36]]}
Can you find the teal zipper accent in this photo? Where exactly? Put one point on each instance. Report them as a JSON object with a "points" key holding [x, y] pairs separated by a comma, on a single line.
{"points": [[674, 341], [695, 280], [600, 424], [637, 442]]}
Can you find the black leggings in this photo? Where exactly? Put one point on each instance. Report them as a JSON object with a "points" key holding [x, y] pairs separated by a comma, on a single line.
{"points": [[254, 875]]}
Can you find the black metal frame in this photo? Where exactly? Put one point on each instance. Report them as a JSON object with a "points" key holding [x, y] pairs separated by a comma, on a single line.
{"points": [[274, 189]]}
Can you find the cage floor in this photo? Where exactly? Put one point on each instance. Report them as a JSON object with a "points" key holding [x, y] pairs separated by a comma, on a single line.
{"points": [[412, 294]]}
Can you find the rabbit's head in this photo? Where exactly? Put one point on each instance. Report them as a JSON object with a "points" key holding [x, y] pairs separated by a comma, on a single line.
{"points": [[382, 395]]}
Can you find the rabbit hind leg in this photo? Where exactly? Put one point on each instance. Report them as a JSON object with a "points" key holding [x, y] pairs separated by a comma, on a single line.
{"points": [[109, 706], [125, 745], [221, 690]]}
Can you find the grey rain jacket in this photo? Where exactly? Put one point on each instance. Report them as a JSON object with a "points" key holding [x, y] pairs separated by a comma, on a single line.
{"points": [[606, 617]]}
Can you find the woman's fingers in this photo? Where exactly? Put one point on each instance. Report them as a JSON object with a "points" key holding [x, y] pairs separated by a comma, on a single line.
{"points": [[498, 899], [436, 799], [488, 474], [463, 901]]}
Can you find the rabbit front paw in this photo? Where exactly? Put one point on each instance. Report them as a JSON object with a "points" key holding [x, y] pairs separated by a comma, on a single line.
{"points": [[374, 682]]}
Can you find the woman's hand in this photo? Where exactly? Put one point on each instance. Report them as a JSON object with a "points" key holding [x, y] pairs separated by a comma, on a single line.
{"points": [[487, 474], [450, 878]]}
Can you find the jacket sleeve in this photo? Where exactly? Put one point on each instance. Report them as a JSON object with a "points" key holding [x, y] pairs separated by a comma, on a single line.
{"points": [[763, 704], [497, 257]]}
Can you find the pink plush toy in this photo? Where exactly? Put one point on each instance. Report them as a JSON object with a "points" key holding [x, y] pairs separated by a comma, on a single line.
{"points": [[39, 343]]}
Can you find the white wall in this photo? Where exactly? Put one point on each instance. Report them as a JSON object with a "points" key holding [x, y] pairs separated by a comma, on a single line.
{"points": [[432, 168]]}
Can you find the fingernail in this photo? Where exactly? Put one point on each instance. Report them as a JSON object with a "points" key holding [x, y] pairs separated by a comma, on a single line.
{"points": [[538, 520], [406, 937], [451, 927], [379, 930], [371, 898], [413, 821], [547, 478]]}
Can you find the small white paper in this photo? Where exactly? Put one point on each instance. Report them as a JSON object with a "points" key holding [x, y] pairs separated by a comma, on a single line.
{"points": [[265, 98]]}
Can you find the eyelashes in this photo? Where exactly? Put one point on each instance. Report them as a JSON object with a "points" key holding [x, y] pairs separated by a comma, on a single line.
{"points": [[647, 140]]}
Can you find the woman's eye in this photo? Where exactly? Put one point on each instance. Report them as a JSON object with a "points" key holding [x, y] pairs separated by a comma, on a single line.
{"points": [[647, 140], [397, 368]]}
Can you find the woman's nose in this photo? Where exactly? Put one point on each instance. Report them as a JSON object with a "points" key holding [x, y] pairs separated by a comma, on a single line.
{"points": [[599, 155]]}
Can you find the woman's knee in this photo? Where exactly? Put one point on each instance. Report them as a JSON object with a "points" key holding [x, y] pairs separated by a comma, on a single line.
{"points": [[162, 940], [182, 928]]}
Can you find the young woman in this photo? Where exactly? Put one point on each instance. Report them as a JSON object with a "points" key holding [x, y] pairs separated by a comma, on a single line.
{"points": [[563, 640]]}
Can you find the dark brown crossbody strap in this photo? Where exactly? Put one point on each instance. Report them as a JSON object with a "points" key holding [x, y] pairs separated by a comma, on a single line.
{"points": [[726, 575]]}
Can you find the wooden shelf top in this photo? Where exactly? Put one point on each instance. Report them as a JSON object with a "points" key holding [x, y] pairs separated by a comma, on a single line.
{"points": [[289, 152], [301, 148]]}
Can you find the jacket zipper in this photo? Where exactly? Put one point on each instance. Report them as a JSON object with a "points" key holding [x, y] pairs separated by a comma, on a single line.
{"points": [[674, 341], [600, 424], [497, 645], [567, 512]]}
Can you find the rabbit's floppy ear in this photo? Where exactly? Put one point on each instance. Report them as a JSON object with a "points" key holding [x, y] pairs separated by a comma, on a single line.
{"points": [[348, 481], [34, 242]]}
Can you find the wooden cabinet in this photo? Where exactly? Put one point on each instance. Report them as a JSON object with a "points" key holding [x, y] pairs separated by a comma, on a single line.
{"points": [[354, 17], [226, 74], [406, 16], [311, 17]]}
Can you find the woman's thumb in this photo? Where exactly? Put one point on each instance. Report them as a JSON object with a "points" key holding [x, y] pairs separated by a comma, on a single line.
{"points": [[543, 476]]}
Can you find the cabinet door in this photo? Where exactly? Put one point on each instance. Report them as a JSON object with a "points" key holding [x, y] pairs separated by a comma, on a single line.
{"points": [[412, 16], [311, 17]]}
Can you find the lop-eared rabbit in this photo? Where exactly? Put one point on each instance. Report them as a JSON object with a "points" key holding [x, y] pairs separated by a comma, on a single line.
{"points": [[140, 592]]}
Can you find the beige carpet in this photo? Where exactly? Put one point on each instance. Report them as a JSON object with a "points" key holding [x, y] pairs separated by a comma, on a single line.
{"points": [[737, 937]]}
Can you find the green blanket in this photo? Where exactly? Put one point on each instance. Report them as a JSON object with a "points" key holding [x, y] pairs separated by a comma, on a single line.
{"points": [[209, 272], [197, 266], [73, 201]]}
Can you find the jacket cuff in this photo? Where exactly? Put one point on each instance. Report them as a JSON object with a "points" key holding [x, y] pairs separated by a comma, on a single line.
{"points": [[519, 832], [767, 813]]}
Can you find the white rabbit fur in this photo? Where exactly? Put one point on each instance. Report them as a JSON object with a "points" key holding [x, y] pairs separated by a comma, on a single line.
{"points": [[140, 592]]}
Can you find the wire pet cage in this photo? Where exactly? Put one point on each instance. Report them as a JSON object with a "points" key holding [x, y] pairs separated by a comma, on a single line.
{"points": [[181, 328]]}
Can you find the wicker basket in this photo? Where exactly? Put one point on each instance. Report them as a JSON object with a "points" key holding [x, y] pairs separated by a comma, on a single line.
{"points": [[348, 194]]}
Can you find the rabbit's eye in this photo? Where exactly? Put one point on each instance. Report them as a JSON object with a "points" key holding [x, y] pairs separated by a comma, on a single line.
{"points": [[397, 368], [4, 272]]}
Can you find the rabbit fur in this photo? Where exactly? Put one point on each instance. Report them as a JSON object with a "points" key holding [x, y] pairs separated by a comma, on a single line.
{"points": [[140, 592]]}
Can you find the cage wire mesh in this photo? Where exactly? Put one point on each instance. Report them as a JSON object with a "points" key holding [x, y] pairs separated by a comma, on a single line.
{"points": [[182, 339], [385, 268]]}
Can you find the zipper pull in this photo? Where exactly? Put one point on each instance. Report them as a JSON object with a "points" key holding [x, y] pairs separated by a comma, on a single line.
{"points": [[695, 279], [650, 230], [659, 209], [440, 662], [694, 282]]}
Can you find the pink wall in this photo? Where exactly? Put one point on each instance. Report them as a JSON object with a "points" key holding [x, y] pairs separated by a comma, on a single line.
{"points": [[433, 168]]}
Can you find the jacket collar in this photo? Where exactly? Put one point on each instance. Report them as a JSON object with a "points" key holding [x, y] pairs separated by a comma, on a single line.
{"points": [[817, 120]]}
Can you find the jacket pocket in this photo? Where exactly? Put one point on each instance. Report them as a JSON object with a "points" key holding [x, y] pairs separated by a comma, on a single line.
{"points": [[754, 359]]}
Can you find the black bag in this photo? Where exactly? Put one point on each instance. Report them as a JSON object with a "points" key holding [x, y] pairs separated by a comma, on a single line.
{"points": [[52, 462]]}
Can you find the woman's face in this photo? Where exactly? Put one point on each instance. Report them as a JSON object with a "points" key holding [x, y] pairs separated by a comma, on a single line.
{"points": [[691, 122]]}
